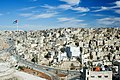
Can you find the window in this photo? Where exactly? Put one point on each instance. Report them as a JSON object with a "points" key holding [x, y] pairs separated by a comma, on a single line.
{"points": [[88, 72], [92, 76], [106, 76], [87, 78], [99, 76]]}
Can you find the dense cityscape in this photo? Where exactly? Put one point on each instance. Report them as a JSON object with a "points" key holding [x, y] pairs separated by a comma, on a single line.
{"points": [[60, 54]]}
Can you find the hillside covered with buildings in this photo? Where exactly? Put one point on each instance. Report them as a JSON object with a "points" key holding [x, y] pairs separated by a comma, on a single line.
{"points": [[73, 44], [66, 48]]}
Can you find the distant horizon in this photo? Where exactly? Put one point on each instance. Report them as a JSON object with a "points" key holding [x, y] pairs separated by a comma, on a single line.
{"points": [[63, 28], [48, 14]]}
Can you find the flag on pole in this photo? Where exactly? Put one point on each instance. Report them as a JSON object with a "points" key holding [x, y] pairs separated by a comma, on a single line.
{"points": [[15, 22]]}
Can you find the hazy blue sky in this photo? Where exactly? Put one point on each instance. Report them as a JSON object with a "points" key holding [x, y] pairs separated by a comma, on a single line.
{"points": [[45, 14]]}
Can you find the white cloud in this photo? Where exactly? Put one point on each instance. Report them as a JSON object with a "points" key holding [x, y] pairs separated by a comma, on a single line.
{"points": [[48, 6], [81, 9], [71, 5], [83, 14], [72, 24], [117, 11], [45, 15], [77, 20], [99, 15], [65, 6], [102, 8], [28, 8], [64, 19], [26, 14], [71, 2], [109, 21], [117, 3]]}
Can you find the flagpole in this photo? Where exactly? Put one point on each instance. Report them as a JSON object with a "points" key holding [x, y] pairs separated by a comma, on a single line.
{"points": [[17, 26], [17, 33]]}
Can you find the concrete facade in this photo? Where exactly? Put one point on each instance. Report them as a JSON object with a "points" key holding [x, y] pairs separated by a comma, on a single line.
{"points": [[98, 75]]}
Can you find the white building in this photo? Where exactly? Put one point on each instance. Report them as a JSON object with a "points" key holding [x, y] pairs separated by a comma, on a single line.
{"points": [[97, 75], [75, 51]]}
